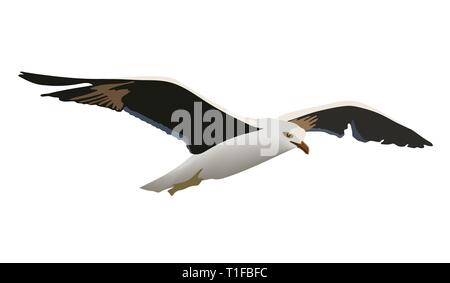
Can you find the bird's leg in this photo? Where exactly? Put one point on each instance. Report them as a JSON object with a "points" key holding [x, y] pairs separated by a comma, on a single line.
{"points": [[194, 181]]}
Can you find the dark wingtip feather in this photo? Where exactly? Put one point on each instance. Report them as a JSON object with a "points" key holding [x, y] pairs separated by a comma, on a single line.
{"points": [[23, 75], [424, 142], [51, 80], [420, 144]]}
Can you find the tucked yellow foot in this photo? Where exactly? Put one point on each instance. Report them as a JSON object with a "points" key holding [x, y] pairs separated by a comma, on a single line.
{"points": [[194, 181]]}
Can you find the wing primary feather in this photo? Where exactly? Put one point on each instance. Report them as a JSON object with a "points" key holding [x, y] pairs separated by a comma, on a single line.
{"points": [[367, 125]]}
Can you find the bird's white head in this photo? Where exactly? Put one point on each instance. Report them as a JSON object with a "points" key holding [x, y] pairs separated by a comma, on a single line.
{"points": [[293, 135]]}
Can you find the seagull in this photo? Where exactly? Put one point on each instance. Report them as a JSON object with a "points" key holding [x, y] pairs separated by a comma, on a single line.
{"points": [[223, 144]]}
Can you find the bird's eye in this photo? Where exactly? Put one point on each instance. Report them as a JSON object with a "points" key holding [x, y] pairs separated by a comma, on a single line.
{"points": [[288, 135]]}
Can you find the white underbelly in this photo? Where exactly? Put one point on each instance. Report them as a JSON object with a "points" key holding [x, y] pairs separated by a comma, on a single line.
{"points": [[225, 160]]}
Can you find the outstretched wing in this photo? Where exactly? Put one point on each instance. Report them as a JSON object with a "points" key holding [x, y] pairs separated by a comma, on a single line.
{"points": [[153, 101], [367, 124]]}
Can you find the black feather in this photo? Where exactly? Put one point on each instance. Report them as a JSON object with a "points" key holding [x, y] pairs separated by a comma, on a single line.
{"points": [[55, 81]]}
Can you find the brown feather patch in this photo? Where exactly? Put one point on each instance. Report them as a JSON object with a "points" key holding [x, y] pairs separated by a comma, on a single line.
{"points": [[306, 123], [105, 95]]}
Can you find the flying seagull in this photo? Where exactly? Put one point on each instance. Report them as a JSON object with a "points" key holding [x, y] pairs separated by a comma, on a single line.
{"points": [[223, 144]]}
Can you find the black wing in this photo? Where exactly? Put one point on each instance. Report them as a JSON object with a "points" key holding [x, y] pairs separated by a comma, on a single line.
{"points": [[367, 125], [153, 101]]}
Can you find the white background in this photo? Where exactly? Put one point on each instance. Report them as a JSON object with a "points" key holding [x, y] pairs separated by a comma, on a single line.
{"points": [[70, 173]]}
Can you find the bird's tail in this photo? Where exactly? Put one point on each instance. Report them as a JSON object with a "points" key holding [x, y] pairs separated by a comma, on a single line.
{"points": [[54, 81], [166, 182], [178, 175]]}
